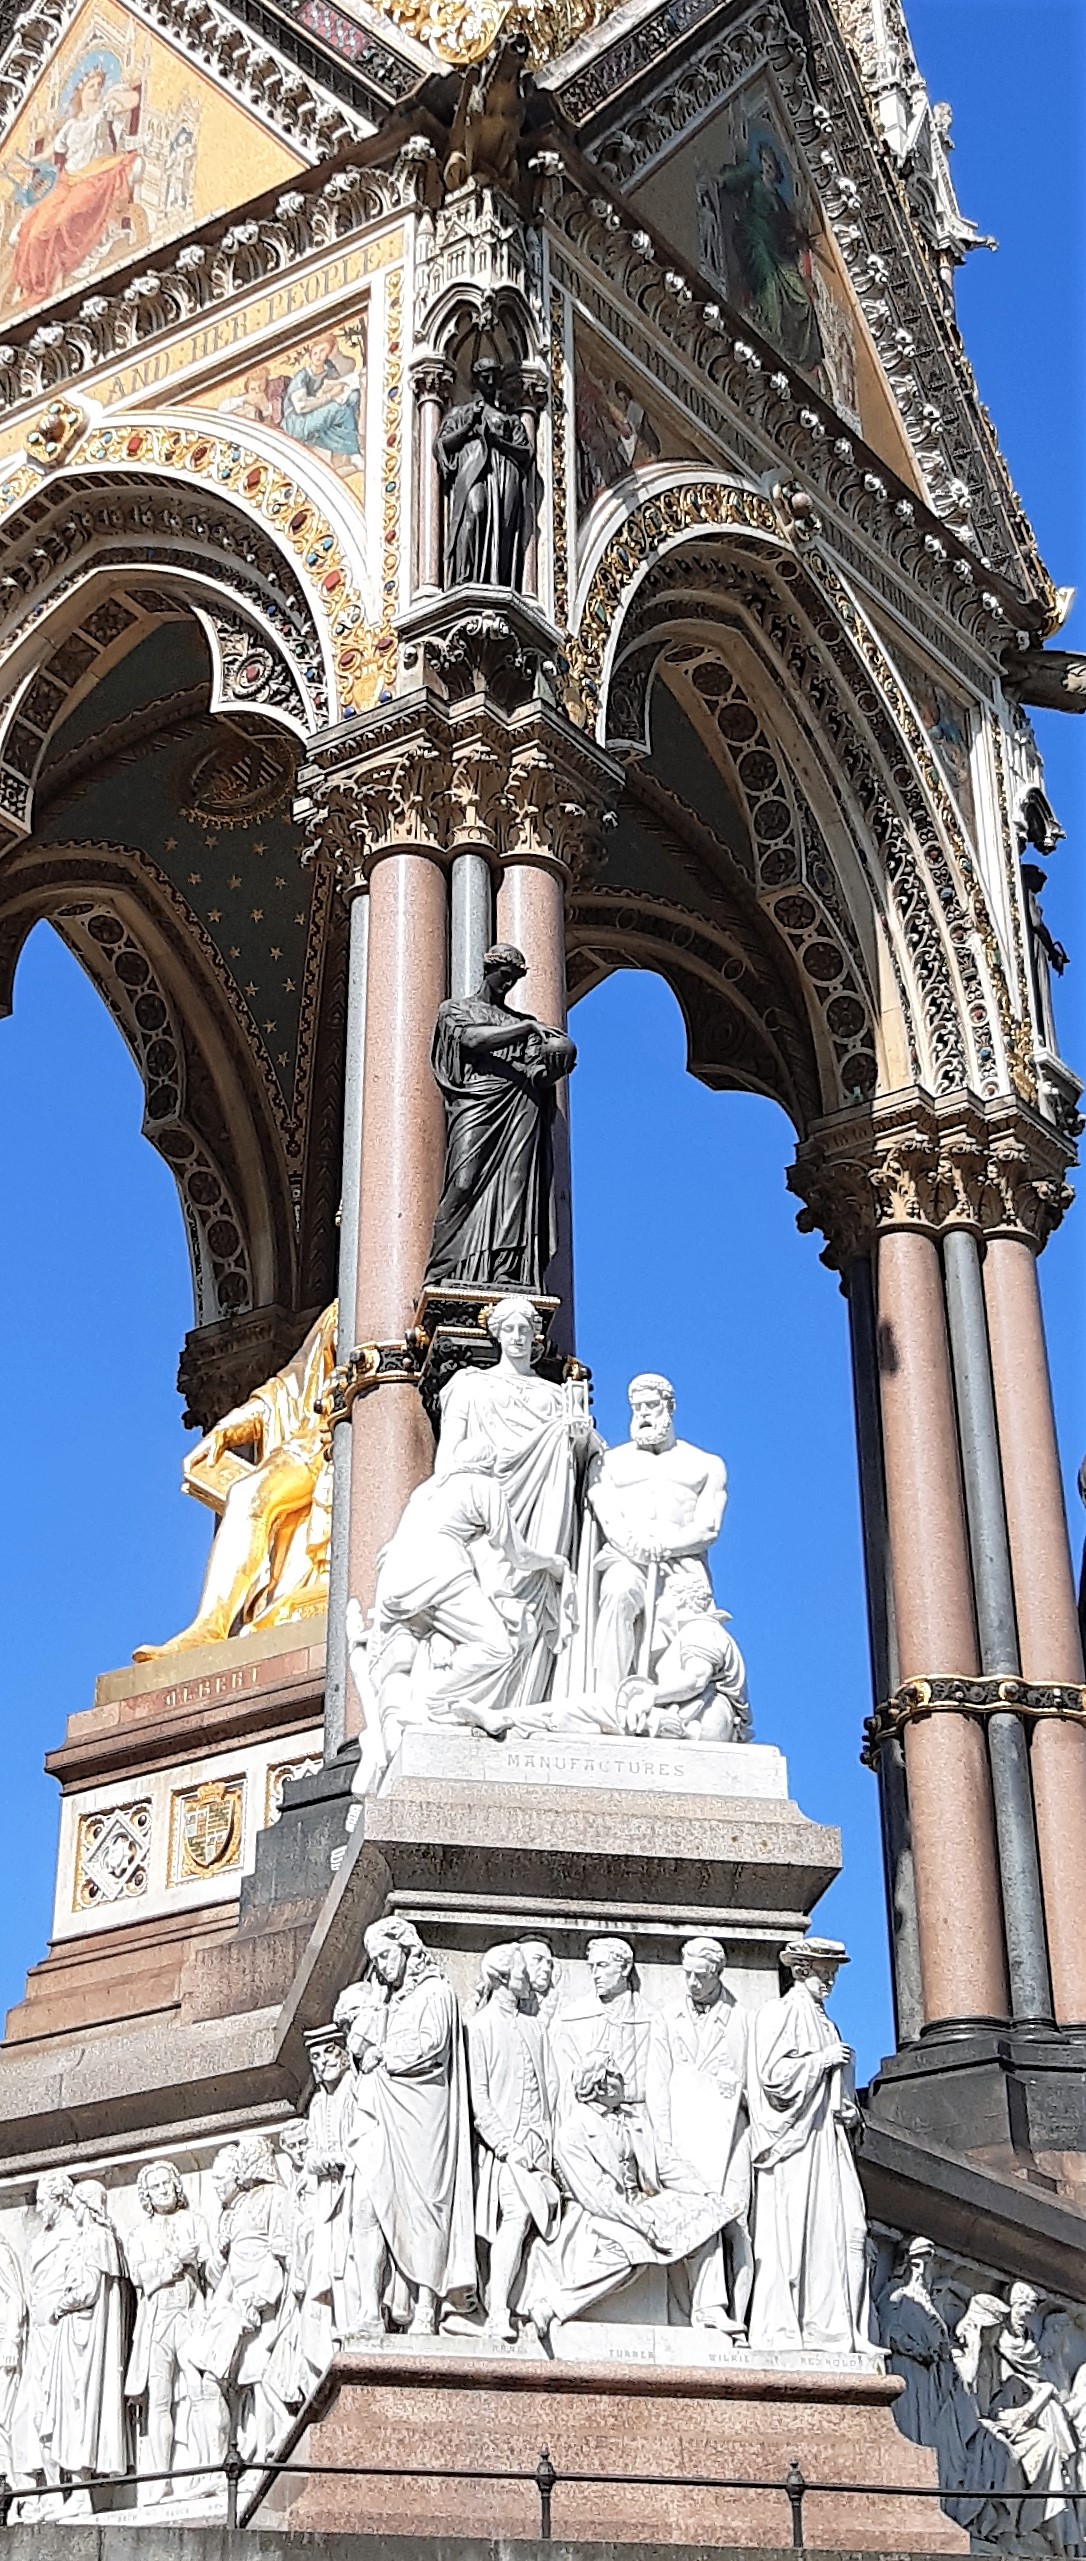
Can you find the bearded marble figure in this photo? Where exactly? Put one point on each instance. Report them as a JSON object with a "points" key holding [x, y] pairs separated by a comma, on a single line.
{"points": [[708, 2042], [810, 2227], [68, 2419], [169, 2261], [661, 1649], [410, 2144], [512, 2097], [630, 2202], [498, 1071], [209, 2342]]}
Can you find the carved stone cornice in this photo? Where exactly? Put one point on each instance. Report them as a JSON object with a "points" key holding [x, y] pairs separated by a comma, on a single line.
{"points": [[929, 1165]]}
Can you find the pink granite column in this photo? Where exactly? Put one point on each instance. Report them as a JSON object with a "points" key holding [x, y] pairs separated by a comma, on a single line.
{"points": [[531, 914], [959, 1918], [1044, 1595], [403, 1140]]}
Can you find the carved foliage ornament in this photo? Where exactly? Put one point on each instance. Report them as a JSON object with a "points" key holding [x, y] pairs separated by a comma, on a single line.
{"points": [[930, 1166]]}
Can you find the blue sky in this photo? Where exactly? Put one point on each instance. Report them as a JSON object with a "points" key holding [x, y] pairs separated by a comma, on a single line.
{"points": [[688, 1255]]}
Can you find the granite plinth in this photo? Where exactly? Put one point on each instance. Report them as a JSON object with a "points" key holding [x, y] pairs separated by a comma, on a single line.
{"points": [[165, 2538], [460, 1758], [657, 2432]]}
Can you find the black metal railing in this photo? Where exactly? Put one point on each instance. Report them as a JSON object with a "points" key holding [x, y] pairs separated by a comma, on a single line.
{"points": [[544, 2477]]}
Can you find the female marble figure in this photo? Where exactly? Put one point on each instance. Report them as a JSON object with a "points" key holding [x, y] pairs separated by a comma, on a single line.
{"points": [[512, 2097], [630, 2203], [169, 2259], [538, 1444], [811, 2278]]}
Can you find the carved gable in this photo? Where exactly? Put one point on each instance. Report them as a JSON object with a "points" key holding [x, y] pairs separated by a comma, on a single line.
{"points": [[121, 145]]}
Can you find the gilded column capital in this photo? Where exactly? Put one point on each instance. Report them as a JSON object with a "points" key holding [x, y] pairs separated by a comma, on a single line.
{"points": [[929, 1165]]}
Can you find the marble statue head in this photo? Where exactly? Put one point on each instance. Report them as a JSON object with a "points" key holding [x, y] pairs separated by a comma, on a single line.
{"points": [[53, 2192], [599, 2085], [255, 2162], [703, 1963], [652, 1410], [294, 2142], [919, 2251], [1024, 2302], [815, 1963], [513, 1324], [503, 1967], [327, 2048], [540, 1965], [224, 2174], [391, 1945], [159, 2188], [610, 1964]]}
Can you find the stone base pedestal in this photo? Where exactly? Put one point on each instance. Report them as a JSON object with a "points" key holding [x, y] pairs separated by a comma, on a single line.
{"points": [[1014, 2102], [437, 2414]]}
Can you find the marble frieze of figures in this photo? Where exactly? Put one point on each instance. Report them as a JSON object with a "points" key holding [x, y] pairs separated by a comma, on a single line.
{"points": [[570, 2154], [540, 1583], [565, 2150]]}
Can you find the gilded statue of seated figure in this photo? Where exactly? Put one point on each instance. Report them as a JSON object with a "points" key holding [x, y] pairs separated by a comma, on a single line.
{"points": [[266, 1469]]}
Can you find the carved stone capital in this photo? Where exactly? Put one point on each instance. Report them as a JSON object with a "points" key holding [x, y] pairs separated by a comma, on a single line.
{"points": [[562, 794], [912, 1162]]}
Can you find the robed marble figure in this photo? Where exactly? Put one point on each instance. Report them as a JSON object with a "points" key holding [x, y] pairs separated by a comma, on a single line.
{"points": [[498, 1071]]}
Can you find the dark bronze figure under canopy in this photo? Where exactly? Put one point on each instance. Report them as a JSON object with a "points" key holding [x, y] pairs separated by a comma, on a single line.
{"points": [[483, 460], [498, 1071]]}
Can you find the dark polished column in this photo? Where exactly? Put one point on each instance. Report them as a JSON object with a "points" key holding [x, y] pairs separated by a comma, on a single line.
{"points": [[1047, 1617], [959, 1912], [1008, 1748], [897, 1848]]}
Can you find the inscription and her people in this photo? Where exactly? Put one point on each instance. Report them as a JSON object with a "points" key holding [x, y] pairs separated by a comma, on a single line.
{"points": [[564, 2153]]}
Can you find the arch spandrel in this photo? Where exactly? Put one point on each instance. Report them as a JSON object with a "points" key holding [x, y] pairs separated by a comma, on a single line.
{"points": [[716, 558]]}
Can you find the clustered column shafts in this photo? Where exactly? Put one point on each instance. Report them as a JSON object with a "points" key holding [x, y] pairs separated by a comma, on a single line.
{"points": [[954, 1848], [531, 914], [1008, 1749], [402, 1148], [417, 806], [957, 1197], [898, 1863], [335, 1679], [1044, 1585]]}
